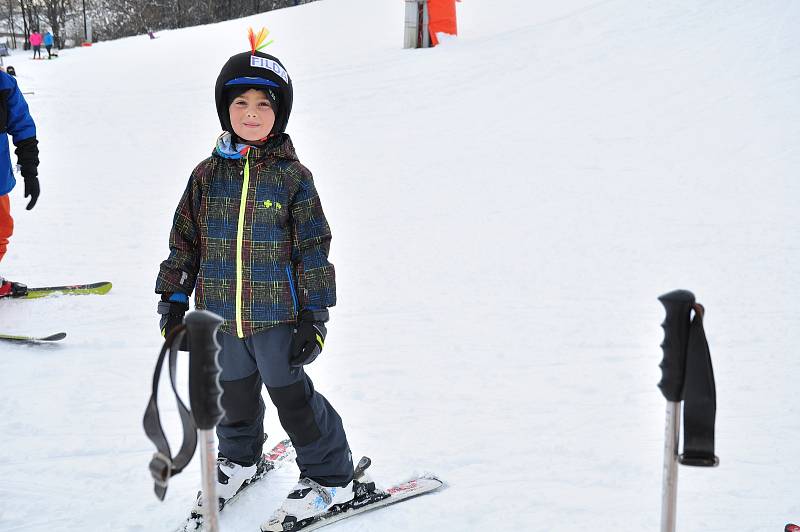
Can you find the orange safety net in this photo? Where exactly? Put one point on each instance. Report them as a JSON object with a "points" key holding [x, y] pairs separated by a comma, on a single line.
{"points": [[441, 18]]}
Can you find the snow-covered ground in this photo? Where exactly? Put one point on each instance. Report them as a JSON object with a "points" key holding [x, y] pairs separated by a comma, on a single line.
{"points": [[506, 209]]}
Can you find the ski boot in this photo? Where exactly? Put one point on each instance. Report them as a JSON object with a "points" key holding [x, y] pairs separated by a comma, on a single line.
{"points": [[231, 478], [12, 289], [309, 500]]}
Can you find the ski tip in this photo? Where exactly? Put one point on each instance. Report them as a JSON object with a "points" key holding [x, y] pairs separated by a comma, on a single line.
{"points": [[104, 287], [433, 480], [33, 339], [428, 476], [417, 485], [100, 288]]}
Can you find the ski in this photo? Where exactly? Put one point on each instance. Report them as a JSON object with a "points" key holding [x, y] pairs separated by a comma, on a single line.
{"points": [[24, 292], [367, 498], [33, 339], [282, 453]]}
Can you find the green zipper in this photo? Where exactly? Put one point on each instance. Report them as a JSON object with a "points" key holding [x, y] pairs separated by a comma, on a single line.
{"points": [[239, 240]]}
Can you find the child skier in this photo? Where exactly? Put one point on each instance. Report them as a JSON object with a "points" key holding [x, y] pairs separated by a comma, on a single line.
{"points": [[18, 123], [250, 237]]}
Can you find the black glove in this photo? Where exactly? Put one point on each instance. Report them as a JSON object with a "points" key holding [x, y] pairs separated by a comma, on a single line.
{"points": [[308, 337], [32, 190], [28, 159], [172, 313]]}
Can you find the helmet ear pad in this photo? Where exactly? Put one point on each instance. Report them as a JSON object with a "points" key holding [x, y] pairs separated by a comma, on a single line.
{"points": [[258, 71]]}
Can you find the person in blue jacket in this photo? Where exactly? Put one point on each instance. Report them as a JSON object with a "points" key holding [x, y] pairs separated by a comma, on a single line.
{"points": [[17, 122], [48, 43]]}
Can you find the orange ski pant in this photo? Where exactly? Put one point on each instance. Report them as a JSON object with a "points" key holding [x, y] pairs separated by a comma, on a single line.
{"points": [[6, 224]]}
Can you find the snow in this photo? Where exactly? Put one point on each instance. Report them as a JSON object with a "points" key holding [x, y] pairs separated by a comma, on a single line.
{"points": [[506, 209]]}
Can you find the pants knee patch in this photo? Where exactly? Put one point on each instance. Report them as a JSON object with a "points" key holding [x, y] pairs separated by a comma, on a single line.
{"points": [[240, 399], [295, 413]]}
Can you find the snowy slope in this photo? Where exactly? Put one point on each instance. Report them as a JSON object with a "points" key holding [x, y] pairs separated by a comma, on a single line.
{"points": [[506, 208]]}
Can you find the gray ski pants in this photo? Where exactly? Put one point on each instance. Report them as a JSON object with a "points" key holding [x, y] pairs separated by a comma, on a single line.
{"points": [[315, 428]]}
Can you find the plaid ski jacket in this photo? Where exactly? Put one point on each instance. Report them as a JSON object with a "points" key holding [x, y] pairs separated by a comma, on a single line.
{"points": [[249, 236]]}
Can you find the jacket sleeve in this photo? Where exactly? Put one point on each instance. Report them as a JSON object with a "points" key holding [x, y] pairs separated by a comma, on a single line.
{"points": [[19, 123], [28, 157], [178, 272], [21, 127], [316, 278]]}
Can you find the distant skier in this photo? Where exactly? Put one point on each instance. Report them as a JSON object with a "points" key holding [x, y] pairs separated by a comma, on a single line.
{"points": [[48, 44], [20, 125], [36, 43], [250, 238]]}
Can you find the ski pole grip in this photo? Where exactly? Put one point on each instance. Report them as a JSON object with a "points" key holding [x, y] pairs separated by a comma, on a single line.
{"points": [[678, 305], [205, 392]]}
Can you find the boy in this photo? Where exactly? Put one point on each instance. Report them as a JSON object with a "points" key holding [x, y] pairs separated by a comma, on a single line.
{"points": [[249, 236], [18, 123]]}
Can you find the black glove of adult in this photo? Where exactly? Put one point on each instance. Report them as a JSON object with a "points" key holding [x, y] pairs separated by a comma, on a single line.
{"points": [[172, 313], [308, 337], [28, 159], [32, 190]]}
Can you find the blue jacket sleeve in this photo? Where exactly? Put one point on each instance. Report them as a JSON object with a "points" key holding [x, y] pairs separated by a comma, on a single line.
{"points": [[19, 123]]}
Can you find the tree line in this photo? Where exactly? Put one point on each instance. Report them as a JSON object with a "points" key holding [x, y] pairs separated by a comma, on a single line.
{"points": [[69, 20]]}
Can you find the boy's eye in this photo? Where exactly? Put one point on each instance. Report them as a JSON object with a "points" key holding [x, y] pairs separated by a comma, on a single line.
{"points": [[264, 104]]}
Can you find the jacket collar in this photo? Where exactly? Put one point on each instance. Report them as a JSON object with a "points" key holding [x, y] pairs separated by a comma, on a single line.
{"points": [[279, 146]]}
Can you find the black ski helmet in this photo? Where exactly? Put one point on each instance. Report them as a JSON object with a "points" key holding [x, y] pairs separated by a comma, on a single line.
{"points": [[255, 70]]}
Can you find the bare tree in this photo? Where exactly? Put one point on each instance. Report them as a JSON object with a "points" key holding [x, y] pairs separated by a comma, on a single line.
{"points": [[25, 32], [56, 13], [11, 29]]}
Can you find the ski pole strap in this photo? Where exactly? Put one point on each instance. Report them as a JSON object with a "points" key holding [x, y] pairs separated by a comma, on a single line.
{"points": [[700, 398], [163, 465]]}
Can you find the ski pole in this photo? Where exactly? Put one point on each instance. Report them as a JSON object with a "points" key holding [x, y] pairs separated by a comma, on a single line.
{"points": [[678, 305], [669, 489], [205, 398]]}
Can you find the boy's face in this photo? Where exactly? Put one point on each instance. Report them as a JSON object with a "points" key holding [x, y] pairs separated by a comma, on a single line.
{"points": [[251, 115]]}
